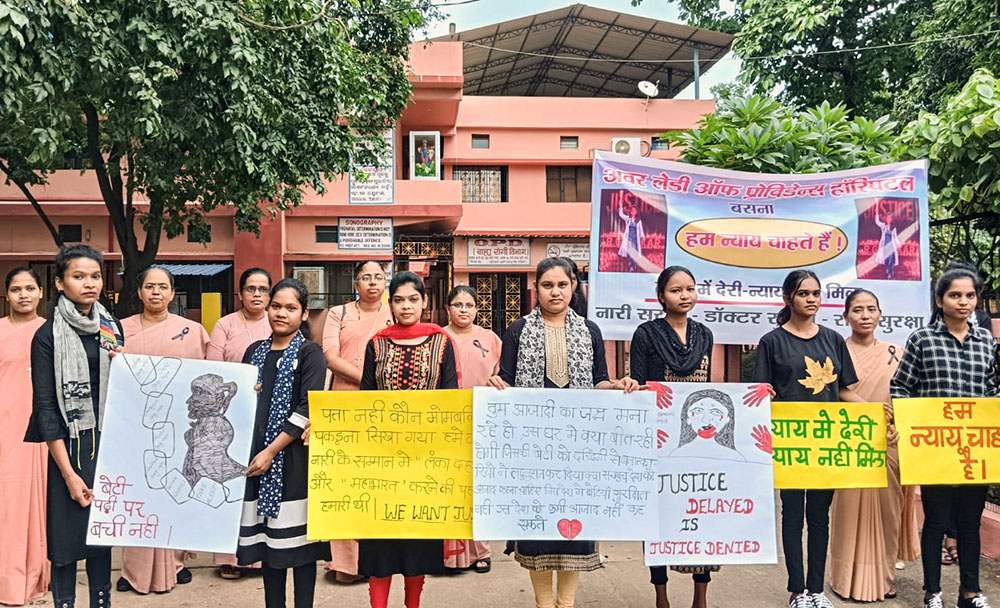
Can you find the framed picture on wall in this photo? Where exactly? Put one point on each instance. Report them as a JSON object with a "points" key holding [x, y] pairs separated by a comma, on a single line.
{"points": [[314, 278], [425, 147]]}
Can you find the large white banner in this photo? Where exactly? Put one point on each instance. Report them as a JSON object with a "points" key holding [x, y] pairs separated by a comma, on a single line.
{"points": [[741, 233], [175, 443], [716, 477], [553, 464]]}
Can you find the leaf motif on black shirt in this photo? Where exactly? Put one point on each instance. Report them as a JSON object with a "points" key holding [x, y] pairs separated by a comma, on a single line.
{"points": [[818, 376]]}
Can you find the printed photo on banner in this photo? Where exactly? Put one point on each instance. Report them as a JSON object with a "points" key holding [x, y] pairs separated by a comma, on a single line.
{"points": [[889, 238], [553, 464], [948, 441], [740, 232], [633, 227], [176, 441], [390, 464], [715, 478], [828, 445]]}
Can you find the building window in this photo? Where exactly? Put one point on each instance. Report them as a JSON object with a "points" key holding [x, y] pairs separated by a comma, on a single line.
{"points": [[482, 184], [199, 233], [660, 143], [569, 142], [480, 142], [567, 184], [326, 234], [71, 233]]}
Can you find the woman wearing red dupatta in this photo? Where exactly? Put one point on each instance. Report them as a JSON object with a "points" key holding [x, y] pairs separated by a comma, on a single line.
{"points": [[406, 356]]}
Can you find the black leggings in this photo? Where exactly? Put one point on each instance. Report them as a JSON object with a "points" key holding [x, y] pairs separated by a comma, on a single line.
{"points": [[304, 579], [658, 576], [98, 564]]}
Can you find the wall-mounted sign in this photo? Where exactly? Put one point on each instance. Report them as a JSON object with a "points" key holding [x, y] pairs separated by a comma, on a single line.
{"points": [[499, 252], [365, 233], [378, 189], [578, 252]]}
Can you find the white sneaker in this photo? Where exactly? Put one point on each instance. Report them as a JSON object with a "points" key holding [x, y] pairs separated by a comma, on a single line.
{"points": [[819, 600], [934, 601], [800, 601], [978, 601]]}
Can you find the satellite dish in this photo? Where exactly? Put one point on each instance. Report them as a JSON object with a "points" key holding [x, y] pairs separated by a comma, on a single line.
{"points": [[649, 89]]}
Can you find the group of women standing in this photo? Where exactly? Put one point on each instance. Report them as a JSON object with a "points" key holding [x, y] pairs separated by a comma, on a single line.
{"points": [[374, 344]]}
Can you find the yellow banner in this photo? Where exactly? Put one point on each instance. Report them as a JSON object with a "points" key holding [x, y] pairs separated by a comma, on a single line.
{"points": [[828, 445], [948, 441], [390, 464]]}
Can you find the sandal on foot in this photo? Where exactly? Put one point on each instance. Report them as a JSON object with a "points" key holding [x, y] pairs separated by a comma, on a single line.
{"points": [[945, 557], [230, 573], [483, 565]]}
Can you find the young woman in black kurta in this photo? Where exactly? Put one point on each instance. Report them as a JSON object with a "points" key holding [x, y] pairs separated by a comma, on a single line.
{"points": [[408, 355], [277, 538], [73, 440], [659, 353]]}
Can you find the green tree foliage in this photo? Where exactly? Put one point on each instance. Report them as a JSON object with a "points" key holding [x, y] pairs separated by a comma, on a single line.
{"points": [[962, 143], [198, 104], [763, 135], [793, 49]]}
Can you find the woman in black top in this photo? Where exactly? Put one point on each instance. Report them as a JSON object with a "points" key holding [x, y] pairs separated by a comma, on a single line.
{"points": [[674, 349], [408, 355], [803, 361], [553, 347], [70, 362], [273, 525]]}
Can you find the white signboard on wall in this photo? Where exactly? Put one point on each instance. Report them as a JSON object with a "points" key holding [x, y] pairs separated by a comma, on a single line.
{"points": [[365, 233], [378, 189], [578, 252], [488, 251]]}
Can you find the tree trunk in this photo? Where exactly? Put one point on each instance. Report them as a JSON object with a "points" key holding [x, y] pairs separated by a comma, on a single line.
{"points": [[23, 187]]}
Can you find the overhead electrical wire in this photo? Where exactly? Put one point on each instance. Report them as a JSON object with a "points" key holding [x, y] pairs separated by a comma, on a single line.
{"points": [[743, 59]]}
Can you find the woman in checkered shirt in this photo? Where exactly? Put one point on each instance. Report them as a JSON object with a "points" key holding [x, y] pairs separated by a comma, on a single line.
{"points": [[952, 357]]}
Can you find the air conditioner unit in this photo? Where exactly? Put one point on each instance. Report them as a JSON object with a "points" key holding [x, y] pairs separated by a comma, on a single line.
{"points": [[626, 145]]}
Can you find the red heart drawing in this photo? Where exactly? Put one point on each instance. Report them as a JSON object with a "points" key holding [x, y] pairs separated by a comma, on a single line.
{"points": [[661, 438], [570, 528]]}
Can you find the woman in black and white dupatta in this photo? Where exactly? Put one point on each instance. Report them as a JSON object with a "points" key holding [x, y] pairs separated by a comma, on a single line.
{"points": [[553, 347]]}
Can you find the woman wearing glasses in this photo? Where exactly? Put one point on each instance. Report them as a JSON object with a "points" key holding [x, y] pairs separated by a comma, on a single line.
{"points": [[346, 333], [230, 338], [478, 351]]}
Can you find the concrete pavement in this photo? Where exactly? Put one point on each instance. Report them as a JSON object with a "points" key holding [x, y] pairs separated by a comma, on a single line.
{"points": [[622, 583]]}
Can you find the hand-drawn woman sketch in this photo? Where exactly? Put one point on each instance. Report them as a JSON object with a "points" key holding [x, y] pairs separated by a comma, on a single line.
{"points": [[211, 434], [708, 419]]}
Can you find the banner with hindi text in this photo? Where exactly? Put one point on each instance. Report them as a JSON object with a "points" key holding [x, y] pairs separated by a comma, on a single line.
{"points": [[828, 445], [390, 464], [948, 441], [741, 233]]}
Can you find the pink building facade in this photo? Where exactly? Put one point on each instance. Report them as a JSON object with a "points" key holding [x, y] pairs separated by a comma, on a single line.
{"points": [[514, 188]]}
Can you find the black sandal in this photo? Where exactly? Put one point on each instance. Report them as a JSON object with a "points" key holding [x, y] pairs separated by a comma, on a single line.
{"points": [[485, 567]]}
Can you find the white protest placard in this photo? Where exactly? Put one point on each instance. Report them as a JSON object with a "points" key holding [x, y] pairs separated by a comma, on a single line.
{"points": [[365, 233], [174, 445], [379, 188], [556, 464], [716, 477], [499, 252]]}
